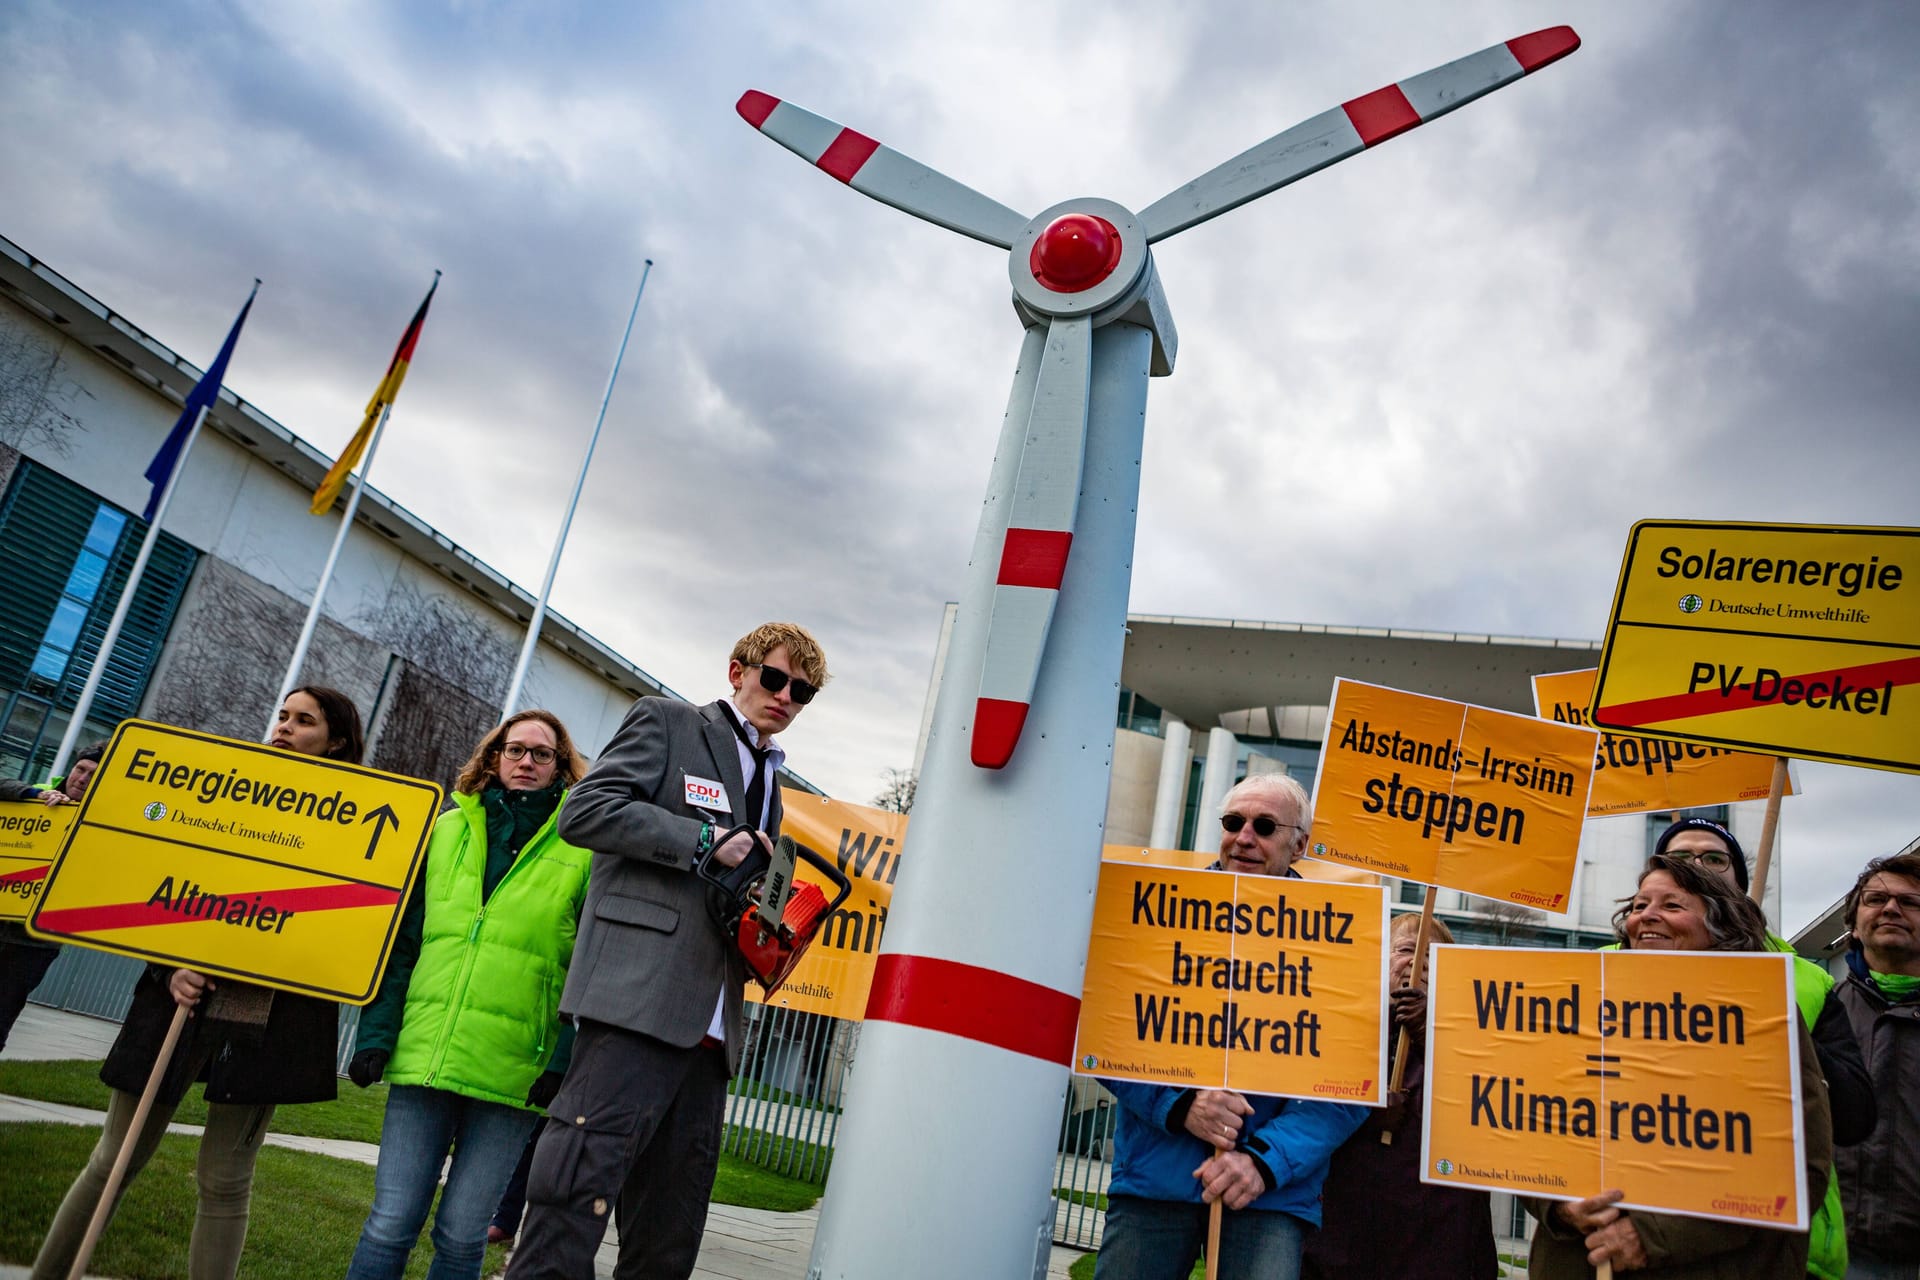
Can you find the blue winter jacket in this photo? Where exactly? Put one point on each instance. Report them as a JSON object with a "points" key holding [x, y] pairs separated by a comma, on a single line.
{"points": [[1299, 1138]]}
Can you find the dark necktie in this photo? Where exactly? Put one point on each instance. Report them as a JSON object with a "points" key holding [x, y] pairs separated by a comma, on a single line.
{"points": [[757, 785]]}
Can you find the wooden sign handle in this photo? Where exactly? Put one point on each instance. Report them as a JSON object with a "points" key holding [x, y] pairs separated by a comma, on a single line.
{"points": [[1603, 1272], [1763, 857], [1214, 1216], [98, 1223], [1404, 1042]]}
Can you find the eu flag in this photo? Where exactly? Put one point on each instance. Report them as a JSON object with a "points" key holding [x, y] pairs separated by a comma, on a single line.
{"points": [[204, 393]]}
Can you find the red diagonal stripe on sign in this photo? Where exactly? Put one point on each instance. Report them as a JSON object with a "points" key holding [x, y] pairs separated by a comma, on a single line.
{"points": [[24, 877], [1682, 706], [133, 915]]}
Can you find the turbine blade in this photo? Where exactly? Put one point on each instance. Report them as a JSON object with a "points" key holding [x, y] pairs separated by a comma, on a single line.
{"points": [[1351, 128], [881, 172], [1033, 558]]}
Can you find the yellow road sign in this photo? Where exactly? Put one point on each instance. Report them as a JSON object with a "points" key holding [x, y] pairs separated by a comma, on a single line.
{"points": [[1652, 775], [239, 860], [1674, 1077], [1799, 640], [30, 832]]}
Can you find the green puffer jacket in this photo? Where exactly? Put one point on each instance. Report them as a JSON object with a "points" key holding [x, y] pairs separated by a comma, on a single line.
{"points": [[482, 1013]]}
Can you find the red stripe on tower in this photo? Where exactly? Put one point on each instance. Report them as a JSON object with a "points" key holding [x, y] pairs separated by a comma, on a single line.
{"points": [[1382, 114], [846, 153], [1536, 50], [754, 107], [1034, 558], [977, 1004]]}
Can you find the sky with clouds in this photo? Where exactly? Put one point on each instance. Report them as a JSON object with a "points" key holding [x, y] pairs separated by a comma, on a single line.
{"points": [[1675, 275]]}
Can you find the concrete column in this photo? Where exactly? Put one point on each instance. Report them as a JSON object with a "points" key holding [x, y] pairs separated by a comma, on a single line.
{"points": [[1170, 796], [1215, 781]]}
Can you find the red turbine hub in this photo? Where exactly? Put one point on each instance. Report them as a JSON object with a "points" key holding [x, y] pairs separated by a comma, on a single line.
{"points": [[1076, 252]]}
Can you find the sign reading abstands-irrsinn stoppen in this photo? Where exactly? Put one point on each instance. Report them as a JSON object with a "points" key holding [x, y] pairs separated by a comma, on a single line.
{"points": [[240, 861], [1793, 640]]}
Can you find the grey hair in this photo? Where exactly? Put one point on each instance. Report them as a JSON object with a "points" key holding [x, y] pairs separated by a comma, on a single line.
{"points": [[1282, 785]]}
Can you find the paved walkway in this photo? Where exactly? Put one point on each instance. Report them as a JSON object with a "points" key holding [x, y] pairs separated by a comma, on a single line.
{"points": [[740, 1244]]}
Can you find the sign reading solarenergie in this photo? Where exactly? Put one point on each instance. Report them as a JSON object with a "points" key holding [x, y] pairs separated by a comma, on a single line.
{"points": [[239, 860]]}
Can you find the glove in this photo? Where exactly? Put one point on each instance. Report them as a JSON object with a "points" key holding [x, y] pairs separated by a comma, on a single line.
{"points": [[367, 1066], [542, 1093]]}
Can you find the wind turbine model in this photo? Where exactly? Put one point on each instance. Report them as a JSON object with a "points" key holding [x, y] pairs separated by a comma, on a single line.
{"points": [[943, 1160]]}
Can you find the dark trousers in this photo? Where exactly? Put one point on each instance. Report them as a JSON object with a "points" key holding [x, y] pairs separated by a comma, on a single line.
{"points": [[634, 1129], [22, 965], [513, 1201]]}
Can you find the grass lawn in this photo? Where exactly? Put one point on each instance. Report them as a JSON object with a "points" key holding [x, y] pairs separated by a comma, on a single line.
{"points": [[741, 1088], [307, 1209], [1093, 1198], [1082, 1268], [356, 1115]]}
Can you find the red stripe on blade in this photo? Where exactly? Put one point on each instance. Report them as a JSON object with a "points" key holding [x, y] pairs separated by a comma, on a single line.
{"points": [[1683, 706], [1537, 49], [996, 728], [1034, 558], [846, 153], [975, 1004], [1380, 115], [133, 915], [754, 107]]}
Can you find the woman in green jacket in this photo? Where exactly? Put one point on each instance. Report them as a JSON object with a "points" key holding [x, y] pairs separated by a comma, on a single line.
{"points": [[466, 1026]]}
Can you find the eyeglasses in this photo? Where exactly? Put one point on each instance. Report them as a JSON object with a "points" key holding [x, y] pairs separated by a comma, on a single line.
{"points": [[1263, 826], [1714, 858], [520, 751], [773, 680], [1874, 900]]}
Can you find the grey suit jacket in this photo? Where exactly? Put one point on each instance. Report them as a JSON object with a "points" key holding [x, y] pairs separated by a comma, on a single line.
{"points": [[649, 956]]}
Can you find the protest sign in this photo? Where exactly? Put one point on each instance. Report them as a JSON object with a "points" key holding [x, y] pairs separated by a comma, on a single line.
{"points": [[1486, 802], [30, 834], [1672, 1076], [240, 861], [1651, 775], [1793, 640], [1262, 984]]}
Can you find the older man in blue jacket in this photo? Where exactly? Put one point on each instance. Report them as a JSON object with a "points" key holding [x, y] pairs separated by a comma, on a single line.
{"points": [[1176, 1151]]}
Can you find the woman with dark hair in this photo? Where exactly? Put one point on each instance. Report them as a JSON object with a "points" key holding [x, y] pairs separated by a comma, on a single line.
{"points": [[1680, 906], [466, 1026], [253, 1047]]}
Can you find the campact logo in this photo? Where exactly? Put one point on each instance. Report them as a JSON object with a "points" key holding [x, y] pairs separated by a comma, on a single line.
{"points": [[155, 812], [1691, 604], [1347, 1089]]}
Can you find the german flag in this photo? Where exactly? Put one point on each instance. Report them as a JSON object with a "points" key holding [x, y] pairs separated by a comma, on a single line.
{"points": [[383, 396]]}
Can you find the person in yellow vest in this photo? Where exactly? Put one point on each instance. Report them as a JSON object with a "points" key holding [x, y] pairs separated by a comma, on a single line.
{"points": [[466, 1026], [1679, 906], [1713, 848]]}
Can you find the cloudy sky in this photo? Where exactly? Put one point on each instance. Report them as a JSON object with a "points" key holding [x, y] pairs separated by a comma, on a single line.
{"points": [[1676, 275]]}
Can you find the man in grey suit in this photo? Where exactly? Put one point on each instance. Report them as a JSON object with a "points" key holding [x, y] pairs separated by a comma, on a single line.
{"points": [[655, 986]]}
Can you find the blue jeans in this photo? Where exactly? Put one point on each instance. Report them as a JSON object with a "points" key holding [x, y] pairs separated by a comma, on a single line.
{"points": [[1162, 1239], [420, 1126]]}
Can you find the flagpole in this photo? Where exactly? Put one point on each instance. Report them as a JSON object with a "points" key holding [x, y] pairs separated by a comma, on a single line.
{"points": [[78, 718], [312, 623], [515, 685]]}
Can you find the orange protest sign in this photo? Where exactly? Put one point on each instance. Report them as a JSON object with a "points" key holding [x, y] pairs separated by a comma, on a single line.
{"points": [[1674, 1077], [836, 974], [1262, 984], [240, 861], [1651, 775], [30, 833], [1793, 640], [1486, 802]]}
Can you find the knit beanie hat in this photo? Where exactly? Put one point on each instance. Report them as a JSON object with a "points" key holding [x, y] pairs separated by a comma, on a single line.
{"points": [[1708, 824]]}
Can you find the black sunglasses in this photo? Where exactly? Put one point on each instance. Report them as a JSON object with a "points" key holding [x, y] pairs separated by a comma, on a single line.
{"points": [[773, 680], [1263, 826]]}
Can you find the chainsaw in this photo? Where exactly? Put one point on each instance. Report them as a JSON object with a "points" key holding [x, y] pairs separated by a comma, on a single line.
{"points": [[772, 918]]}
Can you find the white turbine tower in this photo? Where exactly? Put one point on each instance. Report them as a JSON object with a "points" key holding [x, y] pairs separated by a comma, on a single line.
{"points": [[943, 1162]]}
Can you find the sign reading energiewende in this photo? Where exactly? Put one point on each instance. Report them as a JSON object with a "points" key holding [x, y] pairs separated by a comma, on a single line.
{"points": [[1799, 640], [239, 860], [29, 834]]}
